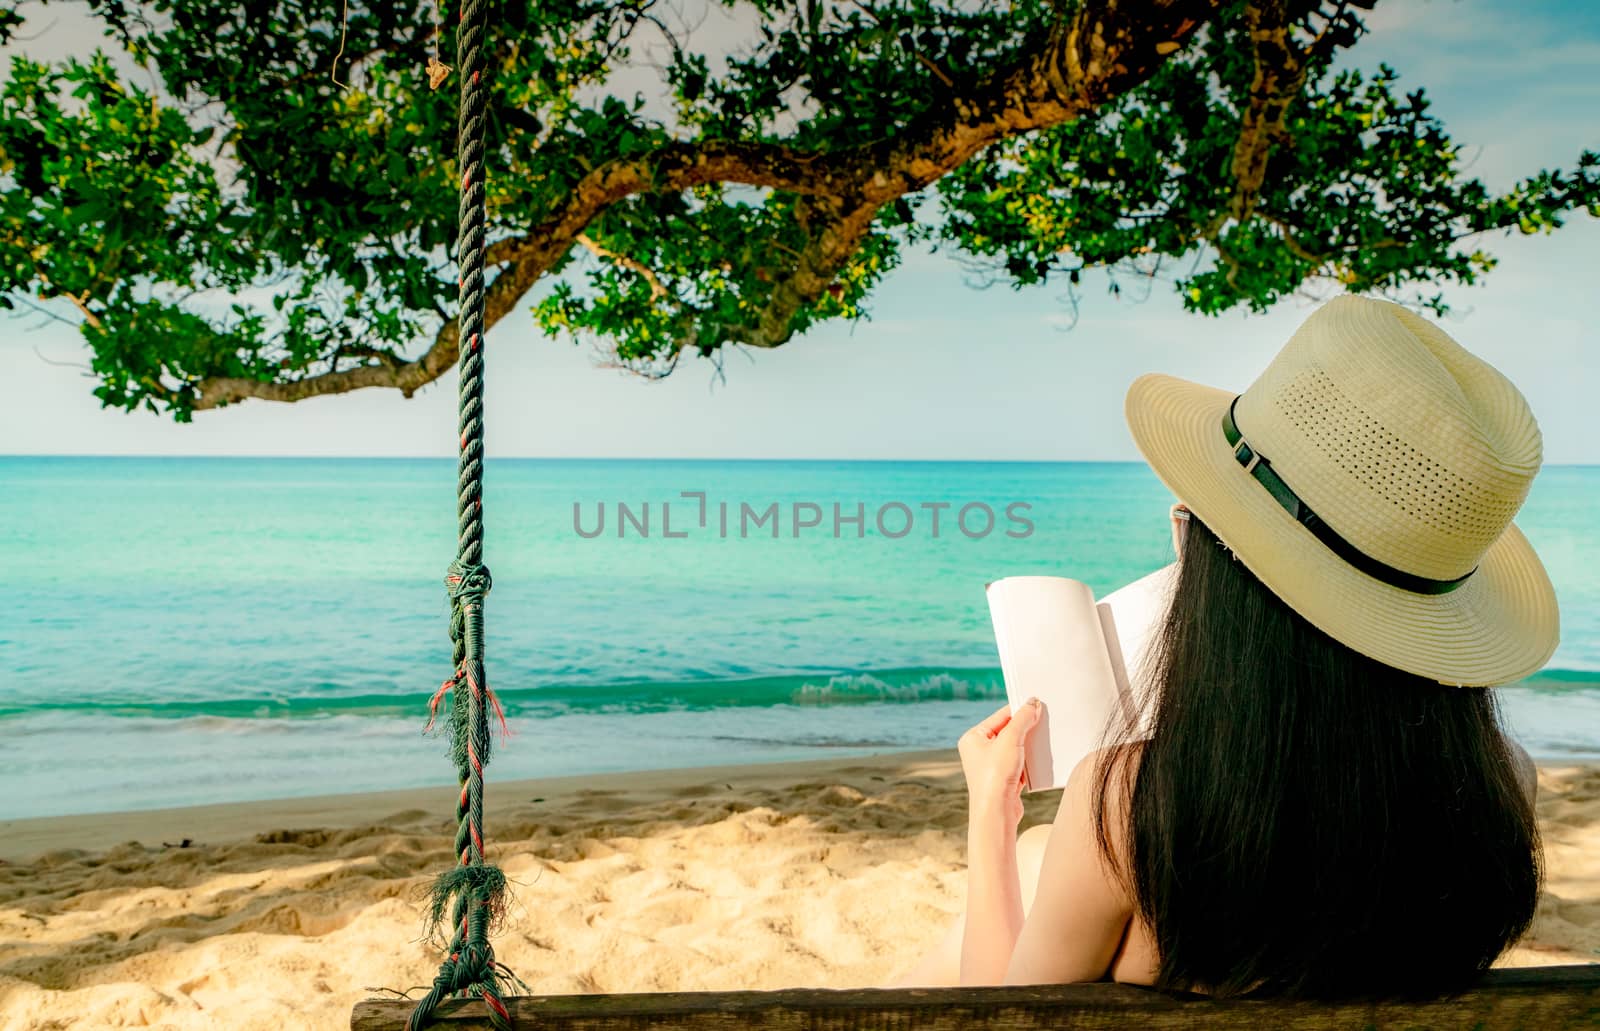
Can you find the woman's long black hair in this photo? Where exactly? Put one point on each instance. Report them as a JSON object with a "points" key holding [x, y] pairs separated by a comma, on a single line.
{"points": [[1307, 821]]}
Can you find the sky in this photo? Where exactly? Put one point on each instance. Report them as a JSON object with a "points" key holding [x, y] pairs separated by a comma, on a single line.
{"points": [[944, 369]]}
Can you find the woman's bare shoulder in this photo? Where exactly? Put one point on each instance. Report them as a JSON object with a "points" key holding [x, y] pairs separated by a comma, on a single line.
{"points": [[1099, 791], [1111, 770], [1080, 909]]}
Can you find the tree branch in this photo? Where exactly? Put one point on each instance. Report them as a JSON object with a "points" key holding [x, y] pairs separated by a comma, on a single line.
{"points": [[1292, 242], [1102, 52], [1279, 77], [407, 377], [81, 303], [1106, 48], [657, 291]]}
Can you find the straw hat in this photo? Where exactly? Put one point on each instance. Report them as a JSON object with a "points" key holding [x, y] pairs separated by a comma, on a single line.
{"points": [[1369, 477]]}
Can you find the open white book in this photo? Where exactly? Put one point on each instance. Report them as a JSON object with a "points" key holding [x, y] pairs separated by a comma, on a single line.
{"points": [[1083, 660]]}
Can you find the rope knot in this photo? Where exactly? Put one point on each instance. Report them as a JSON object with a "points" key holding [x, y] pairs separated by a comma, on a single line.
{"points": [[480, 891], [467, 582]]}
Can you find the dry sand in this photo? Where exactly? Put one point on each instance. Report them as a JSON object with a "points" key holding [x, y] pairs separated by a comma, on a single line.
{"points": [[284, 914]]}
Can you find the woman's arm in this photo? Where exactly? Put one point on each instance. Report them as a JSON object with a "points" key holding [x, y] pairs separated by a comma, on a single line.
{"points": [[991, 759], [994, 897], [1081, 909]]}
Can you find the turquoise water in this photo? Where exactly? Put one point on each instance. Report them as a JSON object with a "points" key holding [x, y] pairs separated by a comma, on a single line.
{"points": [[192, 630]]}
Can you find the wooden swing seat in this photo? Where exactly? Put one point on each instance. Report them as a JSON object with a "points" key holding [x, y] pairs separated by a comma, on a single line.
{"points": [[1530, 998]]}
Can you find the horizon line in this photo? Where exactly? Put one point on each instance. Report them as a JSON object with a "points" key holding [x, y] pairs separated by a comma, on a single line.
{"points": [[577, 458], [636, 458]]}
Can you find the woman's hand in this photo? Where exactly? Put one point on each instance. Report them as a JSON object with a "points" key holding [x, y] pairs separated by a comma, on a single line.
{"points": [[991, 759]]}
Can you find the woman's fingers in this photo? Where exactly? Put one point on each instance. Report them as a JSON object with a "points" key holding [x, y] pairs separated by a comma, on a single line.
{"points": [[1019, 725], [994, 724], [1004, 721]]}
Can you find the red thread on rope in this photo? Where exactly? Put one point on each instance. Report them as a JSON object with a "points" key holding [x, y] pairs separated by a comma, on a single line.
{"points": [[494, 1004], [433, 703], [478, 693], [505, 731]]}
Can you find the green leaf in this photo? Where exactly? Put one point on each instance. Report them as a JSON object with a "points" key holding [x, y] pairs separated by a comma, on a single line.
{"points": [[274, 223]]}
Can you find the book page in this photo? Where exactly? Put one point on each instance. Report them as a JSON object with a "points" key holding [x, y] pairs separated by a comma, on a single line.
{"points": [[1131, 617], [1051, 647], [1090, 664]]}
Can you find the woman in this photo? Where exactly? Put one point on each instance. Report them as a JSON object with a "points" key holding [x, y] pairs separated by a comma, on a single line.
{"points": [[1324, 804]]}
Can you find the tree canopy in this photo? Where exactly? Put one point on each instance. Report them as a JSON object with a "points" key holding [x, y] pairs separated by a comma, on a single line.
{"points": [[258, 200]]}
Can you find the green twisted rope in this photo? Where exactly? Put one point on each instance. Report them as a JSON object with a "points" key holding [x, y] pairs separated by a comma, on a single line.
{"points": [[473, 891]]}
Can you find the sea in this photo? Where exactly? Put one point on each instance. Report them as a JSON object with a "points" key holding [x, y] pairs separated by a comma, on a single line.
{"points": [[177, 631]]}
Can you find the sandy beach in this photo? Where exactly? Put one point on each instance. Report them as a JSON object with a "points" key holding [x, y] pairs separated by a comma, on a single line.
{"points": [[284, 914]]}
